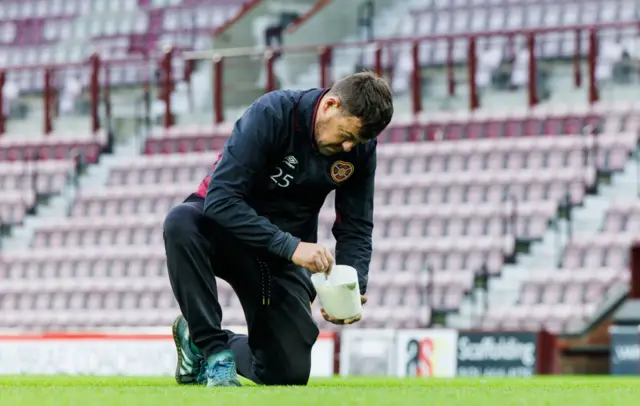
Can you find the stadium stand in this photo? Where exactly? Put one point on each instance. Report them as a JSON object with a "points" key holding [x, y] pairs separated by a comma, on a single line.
{"points": [[459, 192], [439, 204], [39, 33]]}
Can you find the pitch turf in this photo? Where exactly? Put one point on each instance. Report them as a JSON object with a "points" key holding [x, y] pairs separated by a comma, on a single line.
{"points": [[117, 391]]}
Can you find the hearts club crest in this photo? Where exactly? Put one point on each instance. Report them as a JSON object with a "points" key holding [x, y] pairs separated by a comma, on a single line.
{"points": [[341, 171]]}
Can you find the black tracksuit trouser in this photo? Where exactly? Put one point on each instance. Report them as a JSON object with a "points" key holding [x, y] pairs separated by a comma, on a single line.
{"points": [[275, 297]]}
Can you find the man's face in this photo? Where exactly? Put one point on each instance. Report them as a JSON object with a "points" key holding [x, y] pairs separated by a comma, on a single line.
{"points": [[335, 131]]}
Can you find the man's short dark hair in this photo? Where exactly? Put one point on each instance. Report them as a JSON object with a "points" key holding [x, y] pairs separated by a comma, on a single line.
{"points": [[367, 96]]}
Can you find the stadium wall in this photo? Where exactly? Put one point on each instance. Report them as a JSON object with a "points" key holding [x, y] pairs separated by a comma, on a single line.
{"points": [[382, 352]]}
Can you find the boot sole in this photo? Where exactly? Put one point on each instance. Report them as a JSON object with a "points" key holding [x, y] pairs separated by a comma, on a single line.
{"points": [[226, 385]]}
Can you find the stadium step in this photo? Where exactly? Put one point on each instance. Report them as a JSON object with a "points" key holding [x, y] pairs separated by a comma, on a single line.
{"points": [[589, 218], [545, 255], [46, 214], [58, 207], [97, 175], [625, 184]]}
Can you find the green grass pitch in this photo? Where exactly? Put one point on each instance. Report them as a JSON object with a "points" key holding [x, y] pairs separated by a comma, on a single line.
{"points": [[121, 391]]}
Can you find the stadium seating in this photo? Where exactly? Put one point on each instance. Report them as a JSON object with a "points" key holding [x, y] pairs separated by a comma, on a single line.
{"points": [[14, 206], [43, 177], [443, 17], [455, 192], [560, 300], [55, 146], [444, 210], [501, 54], [591, 267], [40, 166], [22, 181], [433, 202], [544, 120], [34, 33], [622, 217]]}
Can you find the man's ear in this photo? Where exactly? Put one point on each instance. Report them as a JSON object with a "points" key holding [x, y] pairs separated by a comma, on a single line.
{"points": [[332, 101]]}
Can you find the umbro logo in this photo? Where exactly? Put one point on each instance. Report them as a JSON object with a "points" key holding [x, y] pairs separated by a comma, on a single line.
{"points": [[290, 161]]}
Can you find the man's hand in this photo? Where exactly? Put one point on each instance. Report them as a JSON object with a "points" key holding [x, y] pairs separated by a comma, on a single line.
{"points": [[330, 319], [315, 257]]}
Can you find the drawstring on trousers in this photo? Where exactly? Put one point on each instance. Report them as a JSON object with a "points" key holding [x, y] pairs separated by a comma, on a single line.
{"points": [[265, 275]]}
